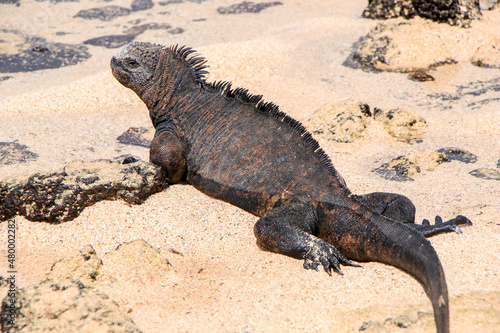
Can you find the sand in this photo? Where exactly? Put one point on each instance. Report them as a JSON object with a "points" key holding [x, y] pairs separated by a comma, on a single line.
{"points": [[295, 55]]}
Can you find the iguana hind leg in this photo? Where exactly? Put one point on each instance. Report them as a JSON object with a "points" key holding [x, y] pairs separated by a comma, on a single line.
{"points": [[290, 229], [399, 208]]}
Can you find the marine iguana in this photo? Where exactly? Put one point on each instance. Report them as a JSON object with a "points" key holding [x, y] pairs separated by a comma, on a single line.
{"points": [[232, 146]]}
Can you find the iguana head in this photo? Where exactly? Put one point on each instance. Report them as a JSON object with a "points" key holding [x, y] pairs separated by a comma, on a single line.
{"points": [[153, 71], [135, 64]]}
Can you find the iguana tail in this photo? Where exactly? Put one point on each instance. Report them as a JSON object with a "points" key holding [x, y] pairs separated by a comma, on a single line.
{"points": [[367, 236]]}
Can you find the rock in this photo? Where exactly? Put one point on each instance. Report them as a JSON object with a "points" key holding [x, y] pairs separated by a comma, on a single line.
{"points": [[135, 270], [115, 41], [64, 306], [110, 41], [139, 29], [346, 121], [490, 174], [132, 265], [13, 152], [410, 45], [420, 75], [106, 13], [247, 7], [458, 154], [403, 167], [341, 122], [135, 265], [453, 12], [386, 9], [403, 124], [487, 55], [137, 136], [141, 5], [61, 196], [83, 267], [21, 53], [488, 4]]}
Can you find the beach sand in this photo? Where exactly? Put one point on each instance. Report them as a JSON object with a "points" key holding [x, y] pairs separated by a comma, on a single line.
{"points": [[296, 55]]}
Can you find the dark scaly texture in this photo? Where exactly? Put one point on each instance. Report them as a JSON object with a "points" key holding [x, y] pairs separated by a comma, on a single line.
{"points": [[234, 147]]}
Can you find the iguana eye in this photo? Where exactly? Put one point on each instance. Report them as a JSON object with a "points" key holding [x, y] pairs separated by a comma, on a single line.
{"points": [[132, 63]]}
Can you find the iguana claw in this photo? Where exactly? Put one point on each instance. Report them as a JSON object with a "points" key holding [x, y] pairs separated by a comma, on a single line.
{"points": [[328, 256], [439, 226]]}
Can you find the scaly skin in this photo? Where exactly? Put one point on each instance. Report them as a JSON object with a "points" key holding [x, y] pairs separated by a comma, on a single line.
{"points": [[233, 147]]}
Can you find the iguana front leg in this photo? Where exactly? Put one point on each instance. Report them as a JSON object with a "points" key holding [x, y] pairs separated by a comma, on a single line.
{"points": [[399, 208], [289, 230], [167, 152]]}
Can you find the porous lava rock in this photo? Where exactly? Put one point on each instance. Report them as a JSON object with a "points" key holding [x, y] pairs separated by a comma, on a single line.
{"points": [[63, 305], [339, 121], [453, 12], [401, 45], [347, 120], [61, 196]]}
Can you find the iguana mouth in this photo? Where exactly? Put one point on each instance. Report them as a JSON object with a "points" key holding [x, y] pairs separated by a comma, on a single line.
{"points": [[120, 73]]}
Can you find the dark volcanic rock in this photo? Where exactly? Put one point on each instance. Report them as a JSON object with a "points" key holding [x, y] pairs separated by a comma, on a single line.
{"points": [[13, 152], [106, 13], [386, 9], [63, 306], [458, 154], [403, 167], [114, 41], [35, 53], [137, 136], [139, 29], [110, 41], [61, 196], [420, 75], [141, 5], [11, 2], [247, 7], [485, 173], [453, 12]]}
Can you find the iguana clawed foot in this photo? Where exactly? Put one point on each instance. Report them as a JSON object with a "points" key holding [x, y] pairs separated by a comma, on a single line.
{"points": [[439, 226], [325, 254]]}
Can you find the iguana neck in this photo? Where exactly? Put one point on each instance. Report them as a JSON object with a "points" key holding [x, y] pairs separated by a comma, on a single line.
{"points": [[173, 83]]}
